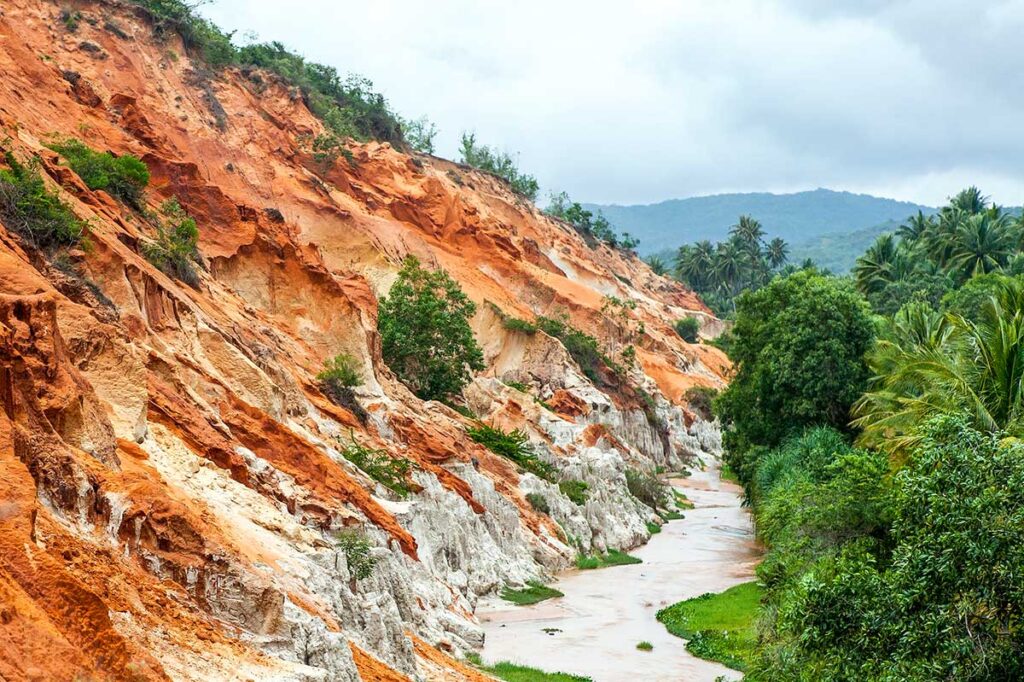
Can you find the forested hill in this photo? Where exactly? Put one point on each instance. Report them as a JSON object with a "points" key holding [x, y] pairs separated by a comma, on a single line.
{"points": [[796, 217]]}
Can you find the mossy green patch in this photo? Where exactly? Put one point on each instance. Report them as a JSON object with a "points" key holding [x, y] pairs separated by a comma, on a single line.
{"points": [[512, 672], [718, 627], [613, 558], [534, 592]]}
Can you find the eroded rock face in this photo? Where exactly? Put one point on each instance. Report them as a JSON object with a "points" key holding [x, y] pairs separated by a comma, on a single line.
{"points": [[171, 477]]}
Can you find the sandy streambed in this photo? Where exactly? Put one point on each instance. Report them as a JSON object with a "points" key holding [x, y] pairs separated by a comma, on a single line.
{"points": [[594, 629]]}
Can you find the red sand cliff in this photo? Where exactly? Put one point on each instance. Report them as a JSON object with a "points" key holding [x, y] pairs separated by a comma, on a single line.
{"points": [[122, 389]]}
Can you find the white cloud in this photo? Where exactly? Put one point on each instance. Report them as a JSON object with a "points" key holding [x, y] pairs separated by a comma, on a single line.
{"points": [[636, 103]]}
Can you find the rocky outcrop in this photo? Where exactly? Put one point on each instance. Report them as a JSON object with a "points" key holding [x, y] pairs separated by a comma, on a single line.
{"points": [[172, 484]]}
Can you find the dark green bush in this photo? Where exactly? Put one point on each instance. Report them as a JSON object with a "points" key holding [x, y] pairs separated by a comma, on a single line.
{"points": [[391, 472], [28, 208], [574, 490], [513, 445], [425, 334], [175, 248], [123, 177], [688, 328]]}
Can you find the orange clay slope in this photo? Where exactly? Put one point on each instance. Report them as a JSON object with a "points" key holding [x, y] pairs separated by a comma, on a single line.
{"points": [[173, 484]]}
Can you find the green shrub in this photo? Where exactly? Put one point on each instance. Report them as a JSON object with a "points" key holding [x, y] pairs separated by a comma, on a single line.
{"points": [[645, 646], [124, 177], [357, 550], [341, 371], [28, 208], [513, 445], [514, 324], [574, 490], [425, 334], [647, 488], [391, 472], [688, 328], [538, 502], [593, 228], [518, 385], [70, 18], [500, 164], [533, 593], [201, 36], [176, 245]]}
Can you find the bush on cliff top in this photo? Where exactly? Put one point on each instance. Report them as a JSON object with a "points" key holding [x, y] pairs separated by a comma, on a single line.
{"points": [[497, 162], [347, 106], [425, 334]]}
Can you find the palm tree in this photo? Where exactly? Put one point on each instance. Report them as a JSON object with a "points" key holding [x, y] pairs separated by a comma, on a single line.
{"points": [[981, 244], [970, 201], [777, 253], [884, 262], [695, 265], [932, 364], [749, 233], [730, 264], [915, 227], [657, 265]]}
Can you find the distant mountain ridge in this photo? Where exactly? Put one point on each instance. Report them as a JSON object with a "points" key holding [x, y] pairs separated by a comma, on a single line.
{"points": [[797, 217]]}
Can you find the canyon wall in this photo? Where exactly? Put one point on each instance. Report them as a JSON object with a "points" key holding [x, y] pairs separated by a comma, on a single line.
{"points": [[171, 476]]}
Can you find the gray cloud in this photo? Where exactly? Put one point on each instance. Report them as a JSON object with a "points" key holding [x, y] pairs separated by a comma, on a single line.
{"points": [[615, 103]]}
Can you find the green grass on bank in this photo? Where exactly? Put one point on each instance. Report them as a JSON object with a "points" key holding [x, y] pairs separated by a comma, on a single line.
{"points": [[718, 627], [533, 592], [653, 528], [511, 672], [613, 558], [729, 475]]}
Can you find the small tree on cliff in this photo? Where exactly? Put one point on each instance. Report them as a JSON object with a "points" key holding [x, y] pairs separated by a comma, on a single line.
{"points": [[425, 335]]}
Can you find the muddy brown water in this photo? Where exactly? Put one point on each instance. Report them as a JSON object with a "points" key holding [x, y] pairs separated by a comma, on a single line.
{"points": [[594, 629]]}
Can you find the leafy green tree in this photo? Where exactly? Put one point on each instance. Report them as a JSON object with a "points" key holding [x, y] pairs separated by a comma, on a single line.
{"points": [[425, 334], [797, 347], [419, 134], [945, 601]]}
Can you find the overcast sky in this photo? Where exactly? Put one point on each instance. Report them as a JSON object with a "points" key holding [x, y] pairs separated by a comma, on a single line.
{"points": [[620, 102]]}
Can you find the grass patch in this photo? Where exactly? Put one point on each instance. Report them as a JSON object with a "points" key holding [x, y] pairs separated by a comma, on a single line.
{"points": [[729, 475], [645, 646], [681, 500], [534, 592], [574, 490], [391, 472], [671, 515], [653, 528], [512, 672], [718, 627], [613, 558]]}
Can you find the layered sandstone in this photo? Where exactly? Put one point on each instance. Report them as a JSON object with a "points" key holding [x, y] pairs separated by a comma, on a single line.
{"points": [[170, 479]]}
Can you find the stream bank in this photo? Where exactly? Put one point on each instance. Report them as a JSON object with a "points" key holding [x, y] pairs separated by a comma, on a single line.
{"points": [[594, 629]]}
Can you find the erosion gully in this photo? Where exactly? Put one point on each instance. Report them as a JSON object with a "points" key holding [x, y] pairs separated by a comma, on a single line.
{"points": [[594, 629]]}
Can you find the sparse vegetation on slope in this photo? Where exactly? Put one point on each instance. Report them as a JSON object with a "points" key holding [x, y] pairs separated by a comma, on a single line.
{"points": [[499, 163], [175, 248], [513, 672]]}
